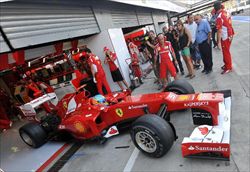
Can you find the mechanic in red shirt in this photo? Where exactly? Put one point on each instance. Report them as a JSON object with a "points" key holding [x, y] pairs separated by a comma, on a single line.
{"points": [[115, 71], [97, 70], [166, 52], [133, 51], [224, 35]]}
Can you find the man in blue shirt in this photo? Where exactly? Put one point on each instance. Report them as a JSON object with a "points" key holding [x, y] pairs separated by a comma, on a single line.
{"points": [[203, 38]]}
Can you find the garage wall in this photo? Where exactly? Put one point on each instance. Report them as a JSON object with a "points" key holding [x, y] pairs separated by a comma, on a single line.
{"points": [[96, 43], [31, 23]]}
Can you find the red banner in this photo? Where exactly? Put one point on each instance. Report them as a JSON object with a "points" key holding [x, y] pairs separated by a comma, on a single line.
{"points": [[4, 61], [74, 44], [19, 57], [59, 48]]}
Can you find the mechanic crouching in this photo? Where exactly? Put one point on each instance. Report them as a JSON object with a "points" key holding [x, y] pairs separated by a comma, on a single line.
{"points": [[166, 53], [98, 73]]}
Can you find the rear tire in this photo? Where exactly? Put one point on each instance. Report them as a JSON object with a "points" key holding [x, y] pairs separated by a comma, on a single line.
{"points": [[152, 135], [180, 86], [33, 135]]}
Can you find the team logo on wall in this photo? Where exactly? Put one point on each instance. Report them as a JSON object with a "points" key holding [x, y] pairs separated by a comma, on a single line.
{"points": [[119, 112]]}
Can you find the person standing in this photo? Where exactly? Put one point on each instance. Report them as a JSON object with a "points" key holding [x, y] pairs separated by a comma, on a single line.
{"points": [[225, 34], [98, 73], [213, 27], [203, 38], [151, 42], [194, 50], [110, 58], [185, 40], [166, 57], [172, 36]]}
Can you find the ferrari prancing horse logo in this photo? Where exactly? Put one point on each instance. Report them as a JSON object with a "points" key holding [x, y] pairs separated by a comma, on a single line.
{"points": [[119, 112]]}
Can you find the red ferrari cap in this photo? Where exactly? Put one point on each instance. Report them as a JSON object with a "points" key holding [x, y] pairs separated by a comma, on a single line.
{"points": [[105, 49]]}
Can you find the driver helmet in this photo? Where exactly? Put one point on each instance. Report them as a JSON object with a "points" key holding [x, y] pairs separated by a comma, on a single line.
{"points": [[99, 99]]}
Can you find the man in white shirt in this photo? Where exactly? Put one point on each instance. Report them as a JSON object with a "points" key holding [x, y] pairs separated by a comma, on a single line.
{"points": [[194, 50]]}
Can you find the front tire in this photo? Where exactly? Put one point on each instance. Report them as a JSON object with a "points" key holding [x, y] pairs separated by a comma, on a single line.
{"points": [[180, 86], [33, 135], [152, 135]]}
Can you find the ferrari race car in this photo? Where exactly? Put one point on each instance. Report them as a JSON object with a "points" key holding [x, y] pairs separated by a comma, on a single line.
{"points": [[148, 119]]}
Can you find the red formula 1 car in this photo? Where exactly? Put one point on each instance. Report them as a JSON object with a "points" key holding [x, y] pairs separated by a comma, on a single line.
{"points": [[151, 129]]}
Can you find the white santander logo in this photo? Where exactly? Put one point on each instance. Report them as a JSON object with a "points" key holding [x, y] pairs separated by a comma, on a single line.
{"points": [[191, 148], [217, 149]]}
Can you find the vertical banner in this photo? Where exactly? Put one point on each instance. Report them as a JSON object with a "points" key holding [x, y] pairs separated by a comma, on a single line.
{"points": [[74, 44], [19, 57], [4, 62], [59, 48]]}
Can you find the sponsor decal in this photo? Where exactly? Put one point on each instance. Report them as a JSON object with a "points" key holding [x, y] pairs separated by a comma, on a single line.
{"points": [[61, 127], [206, 148], [119, 112], [112, 132], [65, 105], [172, 96], [88, 115], [191, 104], [202, 96], [183, 97], [203, 130], [138, 106], [79, 127]]}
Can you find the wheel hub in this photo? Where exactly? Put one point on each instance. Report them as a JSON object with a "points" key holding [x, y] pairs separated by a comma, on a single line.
{"points": [[145, 141]]}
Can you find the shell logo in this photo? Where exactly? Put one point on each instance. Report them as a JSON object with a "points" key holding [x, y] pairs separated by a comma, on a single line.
{"points": [[79, 127], [183, 97], [65, 105]]}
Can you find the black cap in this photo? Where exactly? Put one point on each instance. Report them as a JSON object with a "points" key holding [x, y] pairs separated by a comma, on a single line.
{"points": [[217, 5]]}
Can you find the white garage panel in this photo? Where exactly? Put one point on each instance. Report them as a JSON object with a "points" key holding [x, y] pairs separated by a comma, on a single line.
{"points": [[33, 23], [124, 18], [144, 18], [121, 50]]}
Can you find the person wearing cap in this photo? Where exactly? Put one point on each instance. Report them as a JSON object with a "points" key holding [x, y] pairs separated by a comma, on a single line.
{"points": [[166, 57], [110, 58], [225, 34], [98, 73]]}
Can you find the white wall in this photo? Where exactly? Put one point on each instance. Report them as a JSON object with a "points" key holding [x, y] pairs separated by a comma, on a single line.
{"points": [[120, 47], [96, 43]]}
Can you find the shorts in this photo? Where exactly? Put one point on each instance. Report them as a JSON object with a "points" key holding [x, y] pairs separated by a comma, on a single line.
{"points": [[165, 67], [185, 51], [116, 75]]}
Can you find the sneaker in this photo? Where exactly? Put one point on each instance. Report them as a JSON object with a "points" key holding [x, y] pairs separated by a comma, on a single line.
{"points": [[226, 71], [187, 75], [207, 72], [203, 71], [198, 67], [192, 76], [182, 73], [223, 67]]}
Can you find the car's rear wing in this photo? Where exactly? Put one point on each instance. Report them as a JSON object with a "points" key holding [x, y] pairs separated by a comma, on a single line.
{"points": [[28, 109], [208, 141]]}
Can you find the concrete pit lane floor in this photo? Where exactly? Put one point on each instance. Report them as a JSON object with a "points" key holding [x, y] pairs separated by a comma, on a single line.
{"points": [[119, 153]]}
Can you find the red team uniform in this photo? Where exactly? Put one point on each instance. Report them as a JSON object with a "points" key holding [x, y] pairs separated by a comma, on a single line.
{"points": [[224, 23], [166, 63], [112, 65], [100, 74]]}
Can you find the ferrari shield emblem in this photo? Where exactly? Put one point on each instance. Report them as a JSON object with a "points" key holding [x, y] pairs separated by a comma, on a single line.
{"points": [[65, 105], [119, 112]]}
